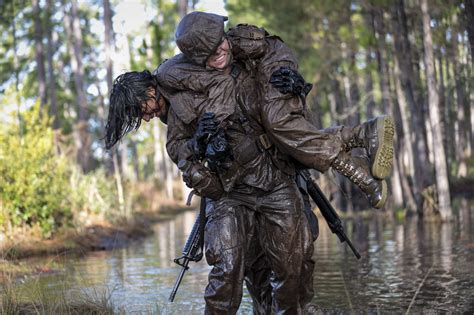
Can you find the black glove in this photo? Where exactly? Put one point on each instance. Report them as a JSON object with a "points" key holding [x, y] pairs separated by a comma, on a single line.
{"points": [[207, 127], [287, 81], [218, 152]]}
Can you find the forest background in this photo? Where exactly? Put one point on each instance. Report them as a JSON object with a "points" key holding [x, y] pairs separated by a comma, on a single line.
{"points": [[412, 59]]}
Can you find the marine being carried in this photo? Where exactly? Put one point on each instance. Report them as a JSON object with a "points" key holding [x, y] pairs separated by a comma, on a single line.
{"points": [[239, 92]]}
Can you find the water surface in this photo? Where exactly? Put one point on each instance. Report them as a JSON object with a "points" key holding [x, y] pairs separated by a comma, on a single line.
{"points": [[425, 267]]}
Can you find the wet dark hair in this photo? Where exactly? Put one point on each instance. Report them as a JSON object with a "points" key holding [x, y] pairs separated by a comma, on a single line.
{"points": [[129, 92]]}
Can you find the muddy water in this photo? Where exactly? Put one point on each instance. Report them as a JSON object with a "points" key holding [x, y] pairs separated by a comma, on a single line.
{"points": [[411, 266]]}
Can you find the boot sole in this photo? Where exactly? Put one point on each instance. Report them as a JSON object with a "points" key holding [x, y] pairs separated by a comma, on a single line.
{"points": [[382, 165], [382, 200]]}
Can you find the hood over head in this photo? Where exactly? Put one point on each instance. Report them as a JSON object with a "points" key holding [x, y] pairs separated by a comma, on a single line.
{"points": [[199, 34]]}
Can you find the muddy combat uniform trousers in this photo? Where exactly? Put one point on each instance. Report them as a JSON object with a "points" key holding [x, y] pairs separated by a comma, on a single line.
{"points": [[246, 232]]}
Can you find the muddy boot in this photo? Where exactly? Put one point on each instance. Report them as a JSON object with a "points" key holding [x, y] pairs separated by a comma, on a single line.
{"points": [[376, 136], [356, 169]]}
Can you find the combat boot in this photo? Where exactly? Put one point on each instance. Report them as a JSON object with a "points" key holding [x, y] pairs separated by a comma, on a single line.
{"points": [[376, 137], [356, 169]]}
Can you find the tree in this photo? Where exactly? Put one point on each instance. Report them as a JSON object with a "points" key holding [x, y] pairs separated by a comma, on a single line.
{"points": [[39, 52], [81, 136], [53, 108], [442, 182], [413, 122]]}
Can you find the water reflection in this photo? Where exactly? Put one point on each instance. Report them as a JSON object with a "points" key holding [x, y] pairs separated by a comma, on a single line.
{"points": [[427, 266]]}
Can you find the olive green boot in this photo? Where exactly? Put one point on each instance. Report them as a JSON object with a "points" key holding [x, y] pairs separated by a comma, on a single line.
{"points": [[376, 136], [356, 169]]}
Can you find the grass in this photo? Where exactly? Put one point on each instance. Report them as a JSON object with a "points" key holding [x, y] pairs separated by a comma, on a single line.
{"points": [[98, 301]]}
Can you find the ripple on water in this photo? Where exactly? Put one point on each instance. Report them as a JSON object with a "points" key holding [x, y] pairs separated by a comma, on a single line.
{"points": [[395, 261]]}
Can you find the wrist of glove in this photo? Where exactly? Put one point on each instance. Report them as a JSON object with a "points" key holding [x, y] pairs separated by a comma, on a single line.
{"points": [[198, 149], [289, 81]]}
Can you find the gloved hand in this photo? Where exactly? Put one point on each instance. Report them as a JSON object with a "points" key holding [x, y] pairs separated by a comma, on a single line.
{"points": [[207, 127], [287, 81], [218, 152], [201, 179]]}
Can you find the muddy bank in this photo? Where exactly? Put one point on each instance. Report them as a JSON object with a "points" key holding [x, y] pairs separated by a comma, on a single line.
{"points": [[99, 236]]}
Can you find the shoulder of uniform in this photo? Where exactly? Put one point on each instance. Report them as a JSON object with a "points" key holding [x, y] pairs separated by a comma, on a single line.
{"points": [[183, 105]]}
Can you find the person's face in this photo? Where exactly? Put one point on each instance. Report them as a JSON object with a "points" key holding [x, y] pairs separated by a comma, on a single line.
{"points": [[153, 108], [221, 57]]}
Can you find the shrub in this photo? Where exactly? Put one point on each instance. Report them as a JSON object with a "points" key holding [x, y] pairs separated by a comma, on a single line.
{"points": [[33, 178], [92, 195]]}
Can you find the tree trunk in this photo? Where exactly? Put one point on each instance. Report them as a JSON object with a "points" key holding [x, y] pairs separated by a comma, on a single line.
{"points": [[81, 135], [469, 22], [406, 164], [16, 70], [461, 127], [159, 171], [335, 107], [369, 84], [135, 161], [449, 100], [109, 43], [442, 183], [443, 108], [118, 182], [388, 108], [182, 8], [53, 108], [125, 165], [405, 75], [369, 88], [162, 162], [39, 53]]}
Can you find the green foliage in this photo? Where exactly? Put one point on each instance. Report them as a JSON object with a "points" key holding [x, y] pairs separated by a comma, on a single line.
{"points": [[33, 179], [92, 193], [39, 187]]}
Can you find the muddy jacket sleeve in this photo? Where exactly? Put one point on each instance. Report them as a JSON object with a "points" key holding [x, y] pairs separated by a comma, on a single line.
{"points": [[180, 148], [179, 137]]}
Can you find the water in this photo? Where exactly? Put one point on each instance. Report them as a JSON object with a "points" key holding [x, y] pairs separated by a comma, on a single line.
{"points": [[427, 266]]}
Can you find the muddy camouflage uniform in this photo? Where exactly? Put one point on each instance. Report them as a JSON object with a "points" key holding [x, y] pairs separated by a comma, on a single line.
{"points": [[256, 219]]}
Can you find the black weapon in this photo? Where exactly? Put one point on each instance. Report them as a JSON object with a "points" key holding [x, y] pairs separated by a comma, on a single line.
{"points": [[327, 210], [192, 250]]}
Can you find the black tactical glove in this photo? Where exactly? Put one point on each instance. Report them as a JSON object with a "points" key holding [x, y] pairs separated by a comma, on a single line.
{"points": [[207, 127], [218, 152], [287, 81]]}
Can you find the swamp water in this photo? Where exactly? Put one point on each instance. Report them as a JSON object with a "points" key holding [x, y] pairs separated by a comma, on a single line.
{"points": [[415, 266]]}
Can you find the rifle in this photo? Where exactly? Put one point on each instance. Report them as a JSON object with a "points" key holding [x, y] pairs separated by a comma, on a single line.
{"points": [[192, 250], [327, 210]]}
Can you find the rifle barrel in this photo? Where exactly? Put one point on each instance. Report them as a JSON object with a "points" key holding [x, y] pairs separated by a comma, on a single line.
{"points": [[328, 211]]}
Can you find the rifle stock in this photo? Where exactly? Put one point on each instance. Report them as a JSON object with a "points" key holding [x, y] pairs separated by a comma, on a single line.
{"points": [[192, 250]]}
